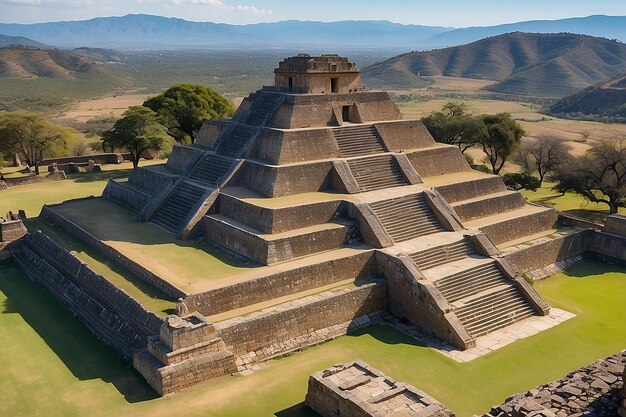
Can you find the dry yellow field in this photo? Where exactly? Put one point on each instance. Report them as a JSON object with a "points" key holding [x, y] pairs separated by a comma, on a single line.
{"points": [[112, 106]]}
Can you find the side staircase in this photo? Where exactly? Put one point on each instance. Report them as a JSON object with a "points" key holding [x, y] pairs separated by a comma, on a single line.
{"points": [[377, 172], [406, 217], [174, 210], [211, 169], [358, 140], [440, 255]]}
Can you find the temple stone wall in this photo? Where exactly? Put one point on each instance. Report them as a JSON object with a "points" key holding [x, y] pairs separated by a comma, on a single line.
{"points": [[304, 322], [592, 390], [438, 160], [129, 196], [277, 220], [548, 252], [356, 389], [607, 247], [615, 224], [150, 179], [182, 157], [520, 226], [284, 147], [466, 190], [272, 181], [211, 131], [284, 283], [48, 214], [404, 135], [11, 230]]}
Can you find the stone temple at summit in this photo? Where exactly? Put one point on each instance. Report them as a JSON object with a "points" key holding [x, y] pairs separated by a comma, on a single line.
{"points": [[353, 215]]}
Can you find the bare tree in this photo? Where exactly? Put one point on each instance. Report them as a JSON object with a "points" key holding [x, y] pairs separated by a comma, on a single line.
{"points": [[599, 175], [544, 155]]}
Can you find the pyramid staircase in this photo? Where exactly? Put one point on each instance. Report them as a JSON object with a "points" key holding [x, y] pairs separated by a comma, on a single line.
{"points": [[358, 140], [263, 108], [171, 214], [211, 169], [406, 217], [440, 255], [233, 142], [377, 172]]}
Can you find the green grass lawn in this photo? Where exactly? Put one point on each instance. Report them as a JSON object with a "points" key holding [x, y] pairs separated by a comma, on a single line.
{"points": [[191, 266], [32, 197], [569, 203], [51, 365]]}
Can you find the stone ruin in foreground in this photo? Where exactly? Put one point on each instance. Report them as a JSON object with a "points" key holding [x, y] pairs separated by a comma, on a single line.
{"points": [[354, 213]]}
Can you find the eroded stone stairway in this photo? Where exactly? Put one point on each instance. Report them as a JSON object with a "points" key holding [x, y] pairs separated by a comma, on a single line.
{"points": [[377, 172], [358, 140], [235, 139], [171, 214]]}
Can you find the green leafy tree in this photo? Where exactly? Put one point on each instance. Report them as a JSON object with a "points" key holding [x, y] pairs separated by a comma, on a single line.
{"points": [[33, 136], [503, 136], [521, 181], [137, 131], [454, 125], [184, 107], [599, 175]]}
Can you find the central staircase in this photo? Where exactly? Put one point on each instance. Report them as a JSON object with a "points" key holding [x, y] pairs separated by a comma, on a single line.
{"points": [[175, 209], [406, 217], [211, 169], [235, 139], [483, 299], [440, 255], [358, 140], [263, 107], [377, 172]]}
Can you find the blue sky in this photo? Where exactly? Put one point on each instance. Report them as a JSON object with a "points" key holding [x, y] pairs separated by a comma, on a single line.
{"points": [[457, 13]]}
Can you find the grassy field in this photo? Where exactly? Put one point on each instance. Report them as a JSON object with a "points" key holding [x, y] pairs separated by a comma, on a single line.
{"points": [[32, 197], [51, 365], [191, 266]]}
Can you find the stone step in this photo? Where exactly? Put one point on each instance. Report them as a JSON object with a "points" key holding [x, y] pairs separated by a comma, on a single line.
{"points": [[440, 255], [488, 205], [211, 169], [358, 140], [235, 140], [469, 282], [171, 214], [406, 217], [262, 108]]}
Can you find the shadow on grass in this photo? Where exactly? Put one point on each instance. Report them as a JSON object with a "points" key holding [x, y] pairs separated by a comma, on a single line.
{"points": [[81, 352], [298, 410], [99, 176], [388, 335], [591, 267]]}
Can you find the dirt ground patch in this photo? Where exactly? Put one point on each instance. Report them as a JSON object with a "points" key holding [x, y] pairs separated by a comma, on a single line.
{"points": [[112, 106]]}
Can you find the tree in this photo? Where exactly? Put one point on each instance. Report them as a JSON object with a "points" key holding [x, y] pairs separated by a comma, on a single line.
{"points": [[33, 136], [599, 175], [455, 126], [544, 155], [521, 181], [184, 107], [503, 135], [137, 131]]}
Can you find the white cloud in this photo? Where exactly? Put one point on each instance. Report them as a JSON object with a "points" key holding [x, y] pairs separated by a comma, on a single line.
{"points": [[220, 4]]}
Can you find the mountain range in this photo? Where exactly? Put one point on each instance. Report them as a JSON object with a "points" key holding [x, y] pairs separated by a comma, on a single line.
{"points": [[29, 63], [147, 31], [605, 101], [539, 65]]}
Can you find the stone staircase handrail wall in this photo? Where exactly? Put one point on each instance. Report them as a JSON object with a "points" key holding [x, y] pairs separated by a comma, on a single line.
{"points": [[534, 299], [371, 228], [442, 210], [342, 178], [160, 198]]}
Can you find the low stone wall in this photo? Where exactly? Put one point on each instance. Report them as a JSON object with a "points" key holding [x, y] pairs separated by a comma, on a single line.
{"points": [[466, 190], [278, 181], [549, 251], [48, 214], [129, 196], [592, 390], [150, 179], [607, 247], [438, 160], [303, 322], [520, 226], [356, 389], [615, 224], [572, 221], [277, 219], [489, 206], [284, 283], [100, 158], [34, 179], [182, 158]]}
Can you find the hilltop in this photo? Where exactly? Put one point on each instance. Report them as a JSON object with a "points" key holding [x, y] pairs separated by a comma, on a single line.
{"points": [[605, 101], [6, 41], [541, 65], [28, 63]]}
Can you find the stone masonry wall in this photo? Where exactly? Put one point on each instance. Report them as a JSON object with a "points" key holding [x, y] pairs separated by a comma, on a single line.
{"points": [[34, 179], [129, 196], [48, 214], [283, 147], [11, 230], [594, 390], [404, 135], [149, 179], [181, 158], [438, 160], [303, 322], [607, 247], [280, 284]]}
